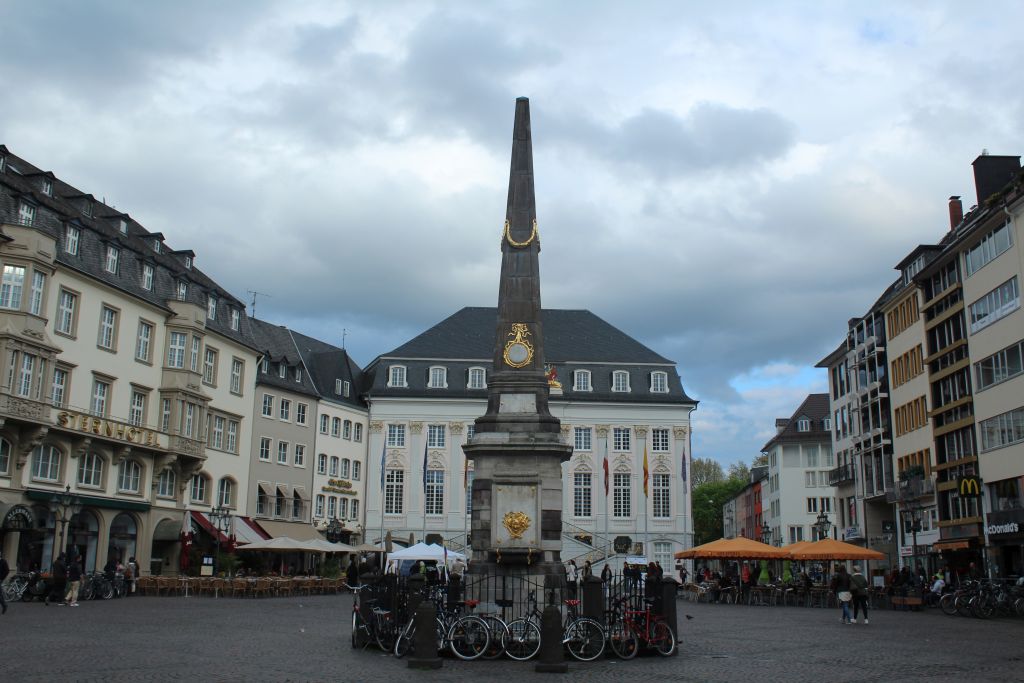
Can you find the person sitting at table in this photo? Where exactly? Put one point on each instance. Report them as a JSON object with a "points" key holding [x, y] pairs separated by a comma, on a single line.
{"points": [[935, 592]]}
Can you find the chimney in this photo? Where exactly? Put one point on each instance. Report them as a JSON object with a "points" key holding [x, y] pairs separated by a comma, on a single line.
{"points": [[956, 212], [992, 173]]}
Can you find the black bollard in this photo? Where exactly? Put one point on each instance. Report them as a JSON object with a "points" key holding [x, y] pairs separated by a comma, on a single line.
{"points": [[552, 657], [593, 598], [415, 594], [425, 640], [669, 607]]}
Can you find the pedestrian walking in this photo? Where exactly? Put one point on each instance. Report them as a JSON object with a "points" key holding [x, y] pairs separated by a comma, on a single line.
{"points": [[859, 590], [5, 569], [588, 570], [606, 573], [74, 581], [572, 575], [841, 587], [131, 574], [58, 581]]}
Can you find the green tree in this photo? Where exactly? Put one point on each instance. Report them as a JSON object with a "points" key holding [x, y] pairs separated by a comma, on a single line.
{"points": [[705, 470], [740, 472], [708, 499]]}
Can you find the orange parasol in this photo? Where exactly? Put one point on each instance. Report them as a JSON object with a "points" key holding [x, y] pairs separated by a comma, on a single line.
{"points": [[830, 549], [734, 549]]}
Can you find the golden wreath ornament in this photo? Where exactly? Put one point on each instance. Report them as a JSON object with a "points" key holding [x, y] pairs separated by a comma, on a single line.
{"points": [[518, 351], [517, 523], [520, 245]]}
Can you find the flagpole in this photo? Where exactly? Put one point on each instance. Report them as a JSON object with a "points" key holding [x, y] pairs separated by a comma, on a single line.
{"points": [[424, 536], [607, 501], [646, 538], [383, 458]]}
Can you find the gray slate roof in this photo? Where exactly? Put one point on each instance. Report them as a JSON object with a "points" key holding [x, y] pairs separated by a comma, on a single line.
{"points": [[275, 342], [573, 340], [815, 408]]}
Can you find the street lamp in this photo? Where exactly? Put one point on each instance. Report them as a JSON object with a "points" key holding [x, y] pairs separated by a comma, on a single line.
{"points": [[822, 525], [64, 506], [221, 518], [914, 511], [766, 533]]}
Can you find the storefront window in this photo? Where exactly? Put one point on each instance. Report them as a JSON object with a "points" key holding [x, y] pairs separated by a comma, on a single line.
{"points": [[123, 532], [83, 533], [1006, 495]]}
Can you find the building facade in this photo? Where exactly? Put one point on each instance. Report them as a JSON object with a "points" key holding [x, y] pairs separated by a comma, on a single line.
{"points": [[127, 380], [618, 402], [799, 460]]}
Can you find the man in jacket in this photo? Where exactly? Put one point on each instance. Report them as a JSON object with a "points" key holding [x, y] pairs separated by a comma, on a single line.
{"points": [[74, 581], [859, 590], [58, 580]]}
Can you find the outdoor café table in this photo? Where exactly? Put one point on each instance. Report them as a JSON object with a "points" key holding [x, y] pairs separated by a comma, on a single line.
{"points": [[818, 596], [761, 595]]}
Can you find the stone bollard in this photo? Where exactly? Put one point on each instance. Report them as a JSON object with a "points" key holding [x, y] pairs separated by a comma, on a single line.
{"points": [[415, 597], [454, 592], [552, 657], [669, 606], [593, 598], [425, 639]]}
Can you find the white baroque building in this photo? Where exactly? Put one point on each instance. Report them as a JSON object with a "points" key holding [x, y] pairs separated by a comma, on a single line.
{"points": [[616, 399]]}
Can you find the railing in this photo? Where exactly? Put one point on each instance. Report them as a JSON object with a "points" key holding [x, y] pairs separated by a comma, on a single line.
{"points": [[911, 489], [841, 475]]}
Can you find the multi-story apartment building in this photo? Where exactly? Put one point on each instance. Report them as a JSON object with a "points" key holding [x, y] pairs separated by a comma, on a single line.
{"points": [[799, 460], [861, 434], [340, 474], [283, 438], [127, 380], [617, 400]]}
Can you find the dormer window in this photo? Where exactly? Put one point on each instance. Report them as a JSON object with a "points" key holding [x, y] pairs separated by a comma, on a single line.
{"points": [[147, 277], [156, 245], [188, 262], [298, 374], [620, 381], [396, 376], [211, 307], [88, 208], [235, 318], [282, 370], [3, 163], [659, 382], [26, 213], [346, 388], [337, 386], [826, 424], [113, 258], [265, 366], [581, 380], [477, 379], [47, 187], [122, 225], [803, 425], [438, 378], [182, 290], [71, 235]]}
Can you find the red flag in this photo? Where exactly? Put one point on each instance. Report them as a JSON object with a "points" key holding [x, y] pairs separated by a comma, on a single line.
{"points": [[606, 474]]}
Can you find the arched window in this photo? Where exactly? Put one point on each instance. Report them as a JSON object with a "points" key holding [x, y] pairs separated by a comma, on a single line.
{"points": [[199, 488], [581, 380], [659, 382], [620, 381], [477, 378], [90, 470], [346, 432], [5, 455], [321, 464], [345, 463], [165, 484], [129, 476], [334, 466], [46, 463], [123, 532], [225, 493], [396, 376]]}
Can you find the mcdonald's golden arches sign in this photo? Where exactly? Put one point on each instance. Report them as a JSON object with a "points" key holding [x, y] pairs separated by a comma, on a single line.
{"points": [[969, 486]]}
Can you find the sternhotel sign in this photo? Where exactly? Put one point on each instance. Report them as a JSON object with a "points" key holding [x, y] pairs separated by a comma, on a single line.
{"points": [[110, 429]]}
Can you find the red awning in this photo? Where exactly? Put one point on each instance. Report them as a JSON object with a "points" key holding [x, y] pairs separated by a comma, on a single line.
{"points": [[204, 521]]}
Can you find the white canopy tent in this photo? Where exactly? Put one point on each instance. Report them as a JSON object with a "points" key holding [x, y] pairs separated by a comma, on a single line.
{"points": [[422, 551]]}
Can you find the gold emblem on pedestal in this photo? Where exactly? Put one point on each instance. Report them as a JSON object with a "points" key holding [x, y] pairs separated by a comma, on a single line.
{"points": [[517, 523], [518, 350]]}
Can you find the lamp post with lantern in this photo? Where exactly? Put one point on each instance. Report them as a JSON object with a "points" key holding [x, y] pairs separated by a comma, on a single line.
{"points": [[822, 525], [64, 506], [221, 518]]}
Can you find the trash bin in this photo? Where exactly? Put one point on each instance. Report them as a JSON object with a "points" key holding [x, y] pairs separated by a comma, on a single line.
{"points": [[156, 566]]}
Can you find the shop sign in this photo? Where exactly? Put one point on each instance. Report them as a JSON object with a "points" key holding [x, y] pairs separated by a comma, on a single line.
{"points": [[339, 486], [110, 429], [621, 544], [18, 518], [969, 486], [1005, 523]]}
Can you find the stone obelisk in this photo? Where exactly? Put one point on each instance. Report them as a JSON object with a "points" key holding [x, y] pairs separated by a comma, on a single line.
{"points": [[517, 447]]}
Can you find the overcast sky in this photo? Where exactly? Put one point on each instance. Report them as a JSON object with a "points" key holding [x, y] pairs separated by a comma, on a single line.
{"points": [[726, 182]]}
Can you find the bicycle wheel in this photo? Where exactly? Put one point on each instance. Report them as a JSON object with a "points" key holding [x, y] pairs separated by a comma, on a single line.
{"points": [[108, 591], [406, 640], [623, 640], [358, 633], [585, 639], [523, 639], [947, 603], [87, 592], [662, 638], [468, 638], [986, 607], [385, 633], [497, 631], [1018, 607], [963, 606]]}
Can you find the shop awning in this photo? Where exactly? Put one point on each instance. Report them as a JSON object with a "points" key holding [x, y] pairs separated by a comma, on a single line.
{"points": [[91, 501], [167, 530], [246, 531], [266, 488], [203, 521], [298, 530], [951, 544]]}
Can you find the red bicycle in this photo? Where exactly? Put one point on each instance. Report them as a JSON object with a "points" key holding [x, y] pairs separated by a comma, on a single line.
{"points": [[629, 628]]}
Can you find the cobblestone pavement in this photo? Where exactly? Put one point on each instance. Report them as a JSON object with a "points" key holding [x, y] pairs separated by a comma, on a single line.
{"points": [[307, 639]]}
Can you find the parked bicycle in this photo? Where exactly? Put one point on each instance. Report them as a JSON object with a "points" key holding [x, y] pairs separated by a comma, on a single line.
{"points": [[582, 636], [466, 636], [14, 588], [630, 628]]}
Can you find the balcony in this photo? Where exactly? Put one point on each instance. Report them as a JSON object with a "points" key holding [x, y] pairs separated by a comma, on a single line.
{"points": [[911, 489], [841, 475]]}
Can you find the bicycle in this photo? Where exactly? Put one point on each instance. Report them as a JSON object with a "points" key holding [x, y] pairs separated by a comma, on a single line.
{"points": [[628, 628], [15, 588], [582, 636], [467, 636]]}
